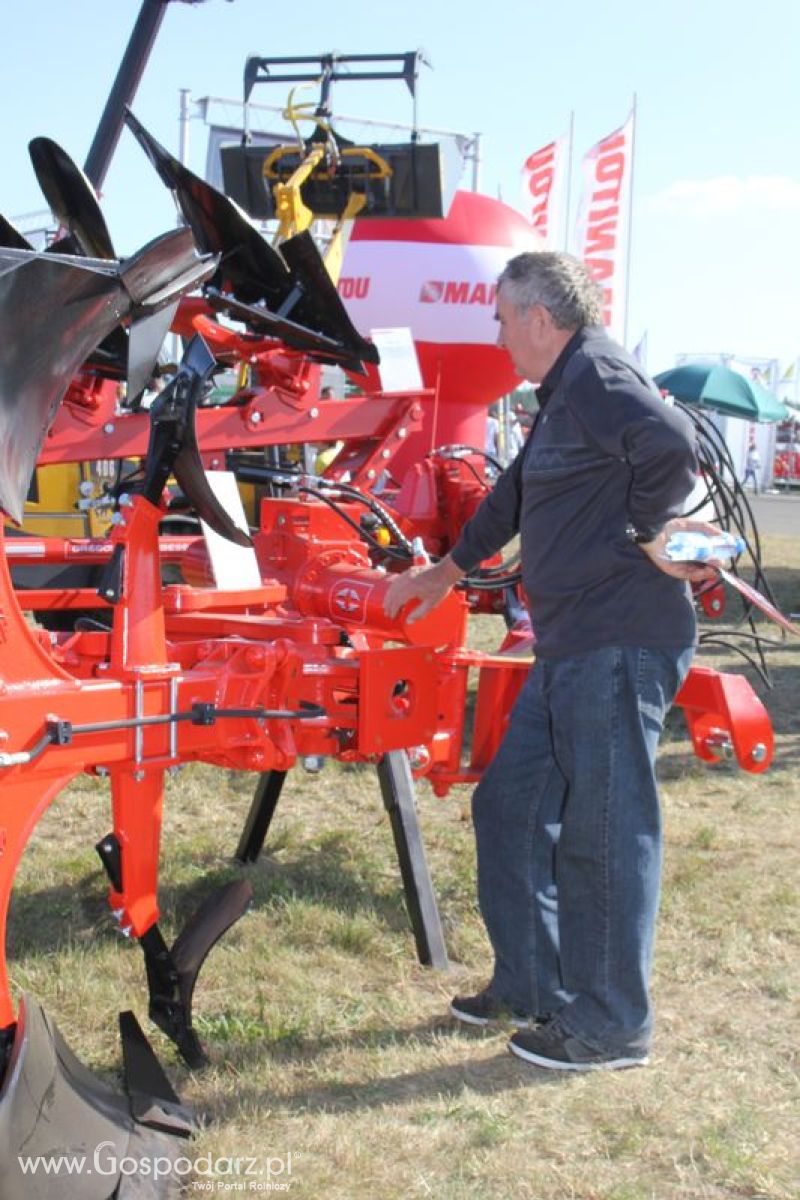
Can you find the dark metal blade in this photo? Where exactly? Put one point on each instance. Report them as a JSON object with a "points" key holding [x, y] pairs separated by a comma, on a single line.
{"points": [[219, 225], [154, 1101], [145, 339], [203, 930], [292, 283], [50, 1105], [71, 197], [261, 320], [54, 311], [11, 237], [320, 306], [191, 476]]}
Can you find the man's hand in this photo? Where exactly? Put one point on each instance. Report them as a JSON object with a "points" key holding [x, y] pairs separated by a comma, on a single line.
{"points": [[428, 585], [694, 572]]}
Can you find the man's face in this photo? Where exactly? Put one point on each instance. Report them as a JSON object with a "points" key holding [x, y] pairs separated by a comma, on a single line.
{"points": [[524, 334]]}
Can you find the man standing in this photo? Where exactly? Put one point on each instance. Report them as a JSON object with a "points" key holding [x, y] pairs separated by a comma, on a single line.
{"points": [[566, 817], [752, 467]]}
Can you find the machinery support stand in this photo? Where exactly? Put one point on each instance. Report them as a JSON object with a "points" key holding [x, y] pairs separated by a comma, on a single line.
{"points": [[259, 818], [397, 790]]}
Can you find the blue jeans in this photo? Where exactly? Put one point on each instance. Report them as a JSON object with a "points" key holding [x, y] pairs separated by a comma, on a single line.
{"points": [[568, 833]]}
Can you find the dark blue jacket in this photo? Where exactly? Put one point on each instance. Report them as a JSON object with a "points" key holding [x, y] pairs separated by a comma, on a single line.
{"points": [[605, 452]]}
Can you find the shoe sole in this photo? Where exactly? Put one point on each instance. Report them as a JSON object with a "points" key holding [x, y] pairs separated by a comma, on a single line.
{"points": [[555, 1064], [481, 1022]]}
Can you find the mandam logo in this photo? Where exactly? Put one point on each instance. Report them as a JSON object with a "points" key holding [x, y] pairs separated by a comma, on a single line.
{"points": [[457, 291]]}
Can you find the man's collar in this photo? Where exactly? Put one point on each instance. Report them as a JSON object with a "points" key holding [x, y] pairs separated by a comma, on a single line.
{"points": [[553, 376]]}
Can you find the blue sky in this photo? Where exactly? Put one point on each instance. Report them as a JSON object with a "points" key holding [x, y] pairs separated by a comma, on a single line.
{"points": [[716, 252]]}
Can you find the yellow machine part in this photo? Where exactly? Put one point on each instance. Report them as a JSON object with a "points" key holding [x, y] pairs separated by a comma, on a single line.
{"points": [[52, 510], [293, 214]]}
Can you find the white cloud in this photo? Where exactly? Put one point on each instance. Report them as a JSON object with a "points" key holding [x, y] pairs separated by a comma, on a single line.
{"points": [[726, 194]]}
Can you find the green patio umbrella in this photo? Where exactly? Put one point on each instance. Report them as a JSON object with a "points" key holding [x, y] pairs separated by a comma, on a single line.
{"points": [[709, 385]]}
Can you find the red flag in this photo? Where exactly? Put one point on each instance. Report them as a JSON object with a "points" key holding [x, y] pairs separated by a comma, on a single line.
{"points": [[603, 224]]}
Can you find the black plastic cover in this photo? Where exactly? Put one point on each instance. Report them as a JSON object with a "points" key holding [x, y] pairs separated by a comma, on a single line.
{"points": [[414, 188]]}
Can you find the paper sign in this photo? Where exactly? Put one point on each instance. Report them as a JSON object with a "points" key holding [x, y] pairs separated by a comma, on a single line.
{"points": [[399, 367], [234, 567], [760, 601]]}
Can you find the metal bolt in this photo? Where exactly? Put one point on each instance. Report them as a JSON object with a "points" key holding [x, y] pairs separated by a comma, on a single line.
{"points": [[313, 763], [117, 913], [126, 930], [101, 772], [402, 431], [370, 474], [138, 776], [108, 427], [759, 752], [125, 500], [313, 412], [418, 757], [718, 742], [256, 418]]}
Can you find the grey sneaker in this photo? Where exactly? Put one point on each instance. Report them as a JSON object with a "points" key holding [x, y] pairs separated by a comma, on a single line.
{"points": [[485, 1008], [555, 1049]]}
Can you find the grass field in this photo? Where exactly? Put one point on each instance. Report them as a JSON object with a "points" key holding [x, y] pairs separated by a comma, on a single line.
{"points": [[332, 1053]]}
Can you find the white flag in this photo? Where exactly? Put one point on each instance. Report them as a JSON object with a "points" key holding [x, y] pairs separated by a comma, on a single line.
{"points": [[602, 232], [639, 351], [543, 183]]}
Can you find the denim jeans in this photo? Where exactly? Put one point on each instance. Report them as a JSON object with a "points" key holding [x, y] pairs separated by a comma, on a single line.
{"points": [[568, 832]]}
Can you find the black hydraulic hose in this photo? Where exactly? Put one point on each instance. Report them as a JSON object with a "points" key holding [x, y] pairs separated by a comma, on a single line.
{"points": [[733, 512]]}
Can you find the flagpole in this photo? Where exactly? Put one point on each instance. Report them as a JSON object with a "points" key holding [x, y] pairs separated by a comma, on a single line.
{"points": [[569, 178], [630, 221]]}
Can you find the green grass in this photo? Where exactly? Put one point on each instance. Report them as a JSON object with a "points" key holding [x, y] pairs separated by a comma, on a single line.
{"points": [[328, 1041]]}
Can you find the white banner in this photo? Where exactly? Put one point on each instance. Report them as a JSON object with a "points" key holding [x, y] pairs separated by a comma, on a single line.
{"points": [[544, 175], [602, 231], [442, 293], [787, 385]]}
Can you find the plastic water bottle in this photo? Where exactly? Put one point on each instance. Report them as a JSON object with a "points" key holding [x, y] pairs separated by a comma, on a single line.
{"points": [[689, 545], [420, 556]]}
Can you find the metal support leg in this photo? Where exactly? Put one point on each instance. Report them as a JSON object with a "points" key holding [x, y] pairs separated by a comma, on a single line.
{"points": [[262, 810], [397, 789]]}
